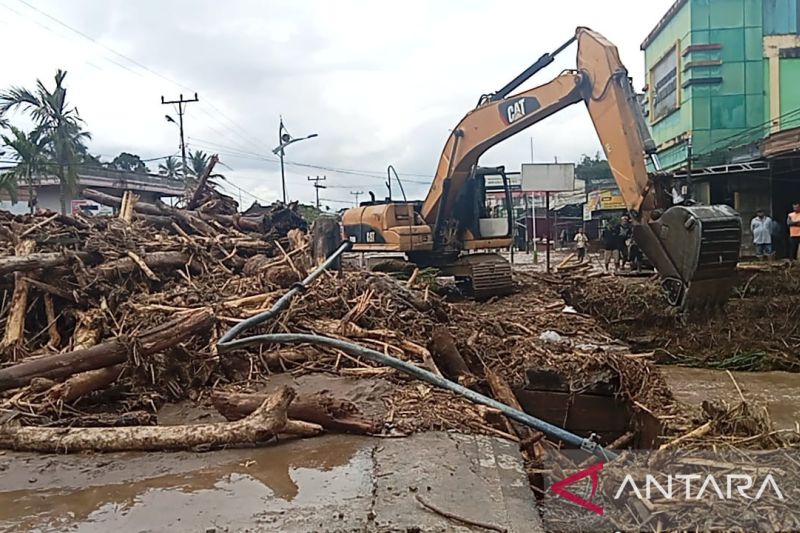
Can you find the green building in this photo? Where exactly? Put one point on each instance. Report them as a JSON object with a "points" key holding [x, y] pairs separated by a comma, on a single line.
{"points": [[722, 99]]}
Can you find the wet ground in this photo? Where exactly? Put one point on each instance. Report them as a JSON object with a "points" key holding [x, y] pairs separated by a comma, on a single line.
{"points": [[779, 391], [329, 483]]}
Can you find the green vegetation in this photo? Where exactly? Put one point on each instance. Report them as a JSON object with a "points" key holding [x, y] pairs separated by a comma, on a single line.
{"points": [[57, 126]]}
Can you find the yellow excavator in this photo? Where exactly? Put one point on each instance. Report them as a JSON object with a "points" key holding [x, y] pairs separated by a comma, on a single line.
{"points": [[694, 248]]}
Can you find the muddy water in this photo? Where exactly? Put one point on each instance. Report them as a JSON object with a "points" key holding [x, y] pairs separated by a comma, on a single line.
{"points": [[779, 391], [226, 490]]}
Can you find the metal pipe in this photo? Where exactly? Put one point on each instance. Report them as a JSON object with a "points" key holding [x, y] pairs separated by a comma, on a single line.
{"points": [[283, 301], [228, 342]]}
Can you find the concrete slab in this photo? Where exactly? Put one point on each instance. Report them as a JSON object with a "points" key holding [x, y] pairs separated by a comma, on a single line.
{"points": [[478, 478], [333, 483]]}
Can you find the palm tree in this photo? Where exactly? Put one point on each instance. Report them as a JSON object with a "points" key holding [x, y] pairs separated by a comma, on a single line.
{"points": [[170, 168], [59, 125], [198, 160], [29, 151], [8, 184]]}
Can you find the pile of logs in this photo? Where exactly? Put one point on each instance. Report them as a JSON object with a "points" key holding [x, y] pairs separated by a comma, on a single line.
{"points": [[106, 319]]}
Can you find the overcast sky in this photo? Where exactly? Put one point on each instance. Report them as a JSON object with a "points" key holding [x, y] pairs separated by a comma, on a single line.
{"points": [[380, 82]]}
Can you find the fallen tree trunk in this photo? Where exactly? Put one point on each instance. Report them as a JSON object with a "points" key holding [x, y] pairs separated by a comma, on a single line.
{"points": [[195, 219], [37, 261], [189, 218], [264, 423], [17, 311], [84, 383], [109, 353], [502, 392], [153, 260], [448, 358], [332, 414]]}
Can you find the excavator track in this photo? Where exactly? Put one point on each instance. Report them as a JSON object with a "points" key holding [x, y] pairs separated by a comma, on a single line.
{"points": [[488, 274]]}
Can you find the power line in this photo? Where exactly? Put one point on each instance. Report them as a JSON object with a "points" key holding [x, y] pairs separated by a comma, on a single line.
{"points": [[134, 62], [235, 128], [356, 194], [252, 155]]}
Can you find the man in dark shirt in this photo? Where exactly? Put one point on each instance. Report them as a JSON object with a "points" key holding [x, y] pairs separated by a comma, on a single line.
{"points": [[611, 246], [625, 237]]}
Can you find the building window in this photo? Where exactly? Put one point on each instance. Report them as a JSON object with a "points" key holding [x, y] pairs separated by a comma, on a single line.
{"points": [[664, 83]]}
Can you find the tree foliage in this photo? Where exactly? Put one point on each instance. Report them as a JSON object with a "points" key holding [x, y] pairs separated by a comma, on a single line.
{"points": [[129, 163], [57, 123], [28, 149], [171, 167], [592, 168]]}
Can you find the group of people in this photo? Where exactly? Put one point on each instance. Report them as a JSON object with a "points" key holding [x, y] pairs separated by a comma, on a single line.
{"points": [[764, 229], [618, 246]]}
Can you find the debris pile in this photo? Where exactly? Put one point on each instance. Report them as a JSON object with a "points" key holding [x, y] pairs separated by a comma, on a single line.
{"points": [[757, 330], [106, 319]]}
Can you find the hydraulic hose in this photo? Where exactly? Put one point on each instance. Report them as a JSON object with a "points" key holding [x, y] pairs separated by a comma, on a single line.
{"points": [[229, 342]]}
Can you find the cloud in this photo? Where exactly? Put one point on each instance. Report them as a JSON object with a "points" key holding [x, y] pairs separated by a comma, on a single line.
{"points": [[379, 82]]}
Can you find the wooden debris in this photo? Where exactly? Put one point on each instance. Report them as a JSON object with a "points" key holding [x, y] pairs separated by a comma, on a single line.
{"points": [[105, 354], [15, 323], [448, 358], [261, 425], [332, 414]]}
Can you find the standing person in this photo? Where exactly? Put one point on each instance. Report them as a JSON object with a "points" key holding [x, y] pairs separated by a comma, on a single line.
{"points": [[563, 237], [625, 235], [793, 221], [581, 240], [761, 228], [611, 247], [635, 255]]}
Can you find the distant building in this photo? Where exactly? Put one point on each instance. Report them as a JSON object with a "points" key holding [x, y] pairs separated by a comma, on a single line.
{"points": [[149, 187], [723, 76]]}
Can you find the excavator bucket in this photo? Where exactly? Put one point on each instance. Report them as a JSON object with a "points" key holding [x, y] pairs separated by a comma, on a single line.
{"points": [[695, 250]]}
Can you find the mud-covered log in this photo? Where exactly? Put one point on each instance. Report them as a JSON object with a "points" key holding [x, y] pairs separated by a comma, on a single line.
{"points": [[17, 311], [109, 353], [153, 260], [85, 383], [37, 261], [333, 414], [251, 223], [502, 392], [326, 237], [448, 358], [264, 423]]}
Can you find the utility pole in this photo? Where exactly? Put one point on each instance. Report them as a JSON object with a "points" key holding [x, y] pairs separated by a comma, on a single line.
{"points": [[284, 140], [181, 110], [317, 186], [356, 194]]}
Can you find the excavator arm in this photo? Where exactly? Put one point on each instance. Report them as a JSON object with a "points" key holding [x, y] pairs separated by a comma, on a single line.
{"points": [[694, 248]]}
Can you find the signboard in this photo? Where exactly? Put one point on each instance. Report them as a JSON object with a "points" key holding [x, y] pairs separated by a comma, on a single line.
{"points": [[548, 177], [495, 183], [604, 200], [664, 83]]}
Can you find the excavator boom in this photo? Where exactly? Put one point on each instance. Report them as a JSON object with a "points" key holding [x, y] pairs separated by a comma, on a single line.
{"points": [[695, 249]]}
